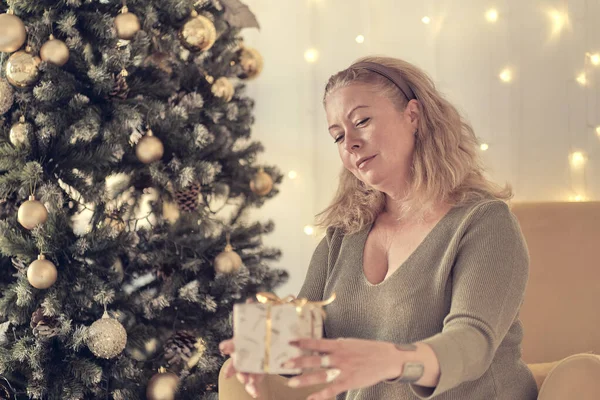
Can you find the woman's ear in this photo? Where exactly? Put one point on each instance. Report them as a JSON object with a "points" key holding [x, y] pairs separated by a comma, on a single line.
{"points": [[414, 113]]}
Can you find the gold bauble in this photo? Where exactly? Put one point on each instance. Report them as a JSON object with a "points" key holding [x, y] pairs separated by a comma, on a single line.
{"points": [[19, 132], [127, 24], [32, 213], [106, 337], [262, 183], [55, 52], [198, 33], [223, 88], [162, 386], [251, 62], [160, 60], [228, 261], [41, 273], [22, 69], [12, 33], [6, 96], [170, 212], [149, 148]]}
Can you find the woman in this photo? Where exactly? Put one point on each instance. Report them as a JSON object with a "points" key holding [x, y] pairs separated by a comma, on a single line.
{"points": [[428, 263]]}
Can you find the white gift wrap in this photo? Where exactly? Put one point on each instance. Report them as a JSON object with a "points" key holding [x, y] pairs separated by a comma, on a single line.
{"points": [[252, 336]]}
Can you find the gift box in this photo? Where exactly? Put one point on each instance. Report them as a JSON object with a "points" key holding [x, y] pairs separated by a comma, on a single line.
{"points": [[263, 330]]}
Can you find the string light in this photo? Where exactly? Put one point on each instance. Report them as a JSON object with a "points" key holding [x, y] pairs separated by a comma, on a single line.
{"points": [[577, 198], [491, 15], [292, 174], [598, 130], [559, 21], [426, 20], [484, 146], [506, 75], [309, 230], [582, 79], [594, 58], [311, 55], [577, 159], [360, 39]]}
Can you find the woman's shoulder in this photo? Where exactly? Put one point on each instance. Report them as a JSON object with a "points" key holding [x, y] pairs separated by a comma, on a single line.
{"points": [[487, 208]]}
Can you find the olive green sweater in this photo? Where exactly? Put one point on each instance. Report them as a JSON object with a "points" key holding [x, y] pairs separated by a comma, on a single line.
{"points": [[459, 292]]}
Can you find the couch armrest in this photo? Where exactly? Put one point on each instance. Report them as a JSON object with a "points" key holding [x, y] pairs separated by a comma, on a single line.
{"points": [[540, 371], [575, 377]]}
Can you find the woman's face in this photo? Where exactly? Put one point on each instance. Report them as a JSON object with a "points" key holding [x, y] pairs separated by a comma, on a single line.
{"points": [[375, 139]]}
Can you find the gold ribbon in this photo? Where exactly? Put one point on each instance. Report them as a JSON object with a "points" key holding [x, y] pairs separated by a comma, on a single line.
{"points": [[270, 299]]}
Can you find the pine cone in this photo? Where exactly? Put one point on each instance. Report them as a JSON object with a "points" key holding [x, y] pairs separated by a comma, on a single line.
{"points": [[121, 88], [44, 326], [187, 199], [182, 347]]}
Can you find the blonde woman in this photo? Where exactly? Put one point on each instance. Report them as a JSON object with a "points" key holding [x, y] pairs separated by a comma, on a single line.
{"points": [[428, 263]]}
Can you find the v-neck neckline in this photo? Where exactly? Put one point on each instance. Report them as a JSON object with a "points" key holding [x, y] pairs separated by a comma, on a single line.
{"points": [[414, 254]]}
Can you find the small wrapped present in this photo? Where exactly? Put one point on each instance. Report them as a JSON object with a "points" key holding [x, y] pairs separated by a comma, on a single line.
{"points": [[262, 332]]}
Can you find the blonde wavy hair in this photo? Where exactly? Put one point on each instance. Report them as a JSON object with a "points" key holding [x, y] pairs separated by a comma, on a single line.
{"points": [[445, 168]]}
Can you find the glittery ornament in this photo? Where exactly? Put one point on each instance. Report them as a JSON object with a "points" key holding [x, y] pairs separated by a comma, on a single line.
{"points": [[251, 62], [12, 32], [22, 69], [198, 33], [32, 213], [223, 88], [162, 386], [6, 96], [106, 337], [41, 273], [55, 52], [262, 183]]}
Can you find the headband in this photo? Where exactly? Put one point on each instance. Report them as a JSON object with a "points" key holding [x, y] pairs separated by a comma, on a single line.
{"points": [[390, 74]]}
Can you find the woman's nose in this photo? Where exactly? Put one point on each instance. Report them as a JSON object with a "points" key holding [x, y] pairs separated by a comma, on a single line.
{"points": [[352, 142]]}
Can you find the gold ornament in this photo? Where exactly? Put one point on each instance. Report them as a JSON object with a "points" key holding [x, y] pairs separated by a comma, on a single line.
{"points": [[12, 32], [160, 60], [6, 96], [162, 386], [22, 69], [170, 211], [55, 52], [32, 213], [127, 24], [251, 62], [262, 183], [149, 148], [228, 261], [41, 273], [19, 132], [223, 88], [198, 33], [117, 269], [106, 337]]}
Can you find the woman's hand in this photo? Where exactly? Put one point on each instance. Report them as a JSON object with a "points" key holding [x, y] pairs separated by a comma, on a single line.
{"points": [[250, 381], [350, 363]]}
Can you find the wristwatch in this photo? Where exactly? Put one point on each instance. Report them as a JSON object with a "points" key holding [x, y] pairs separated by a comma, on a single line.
{"points": [[412, 371]]}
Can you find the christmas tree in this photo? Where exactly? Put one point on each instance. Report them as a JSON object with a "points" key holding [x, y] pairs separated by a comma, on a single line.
{"points": [[127, 173]]}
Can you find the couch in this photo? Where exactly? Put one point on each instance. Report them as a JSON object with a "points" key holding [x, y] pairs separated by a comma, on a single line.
{"points": [[561, 311]]}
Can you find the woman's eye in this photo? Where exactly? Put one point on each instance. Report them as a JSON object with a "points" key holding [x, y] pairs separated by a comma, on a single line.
{"points": [[337, 139], [363, 121]]}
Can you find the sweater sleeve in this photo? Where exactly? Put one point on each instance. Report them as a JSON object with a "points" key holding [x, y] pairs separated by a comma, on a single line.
{"points": [[316, 276], [489, 277]]}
